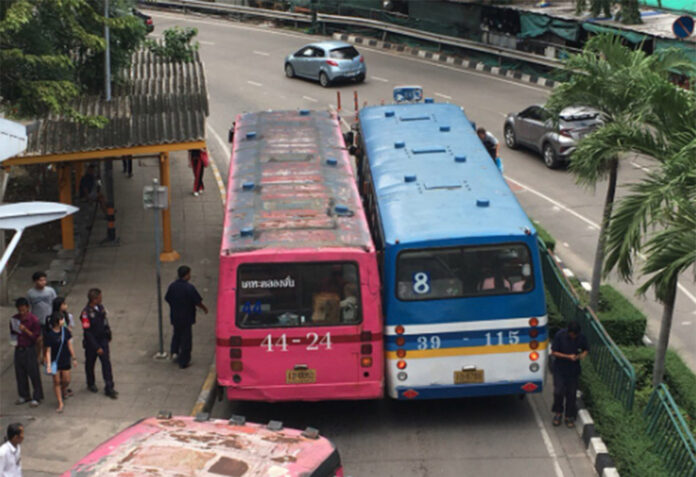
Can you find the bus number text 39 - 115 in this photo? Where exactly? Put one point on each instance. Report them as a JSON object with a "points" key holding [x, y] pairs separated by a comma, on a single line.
{"points": [[313, 342]]}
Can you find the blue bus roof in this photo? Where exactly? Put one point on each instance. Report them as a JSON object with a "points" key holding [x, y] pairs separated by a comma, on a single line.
{"points": [[433, 177]]}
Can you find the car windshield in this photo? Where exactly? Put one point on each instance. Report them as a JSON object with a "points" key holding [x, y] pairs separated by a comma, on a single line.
{"points": [[431, 274], [281, 295], [344, 53]]}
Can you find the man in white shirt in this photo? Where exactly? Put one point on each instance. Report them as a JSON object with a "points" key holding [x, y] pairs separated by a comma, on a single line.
{"points": [[10, 452]]}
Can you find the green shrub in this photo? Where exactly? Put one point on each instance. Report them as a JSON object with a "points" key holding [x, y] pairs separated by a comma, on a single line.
{"points": [[622, 431], [556, 320], [624, 322], [176, 46], [545, 236]]}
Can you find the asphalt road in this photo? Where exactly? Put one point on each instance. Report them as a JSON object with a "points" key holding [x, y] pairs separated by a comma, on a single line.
{"points": [[244, 67]]}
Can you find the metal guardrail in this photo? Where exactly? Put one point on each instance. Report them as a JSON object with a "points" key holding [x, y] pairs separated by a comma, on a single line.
{"points": [[611, 365], [672, 439], [384, 27]]}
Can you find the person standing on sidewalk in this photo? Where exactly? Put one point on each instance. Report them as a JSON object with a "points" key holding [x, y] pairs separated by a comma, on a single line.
{"points": [[183, 298], [11, 452], [25, 331], [568, 348], [199, 161], [97, 335], [59, 350], [127, 162]]}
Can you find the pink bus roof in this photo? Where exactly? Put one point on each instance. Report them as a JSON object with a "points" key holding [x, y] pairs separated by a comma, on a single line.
{"points": [[291, 185], [180, 446]]}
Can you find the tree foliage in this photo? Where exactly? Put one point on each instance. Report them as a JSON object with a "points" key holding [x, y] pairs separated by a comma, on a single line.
{"points": [[177, 44], [52, 51]]}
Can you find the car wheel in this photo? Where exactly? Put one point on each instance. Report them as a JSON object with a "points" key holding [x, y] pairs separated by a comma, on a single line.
{"points": [[324, 80], [510, 139], [360, 78], [549, 154], [289, 70]]}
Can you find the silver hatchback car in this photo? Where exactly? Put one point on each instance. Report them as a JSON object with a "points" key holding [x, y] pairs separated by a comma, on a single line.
{"points": [[326, 61], [534, 128]]}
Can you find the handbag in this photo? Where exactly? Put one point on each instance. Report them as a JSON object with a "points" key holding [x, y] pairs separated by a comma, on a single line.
{"points": [[54, 364]]}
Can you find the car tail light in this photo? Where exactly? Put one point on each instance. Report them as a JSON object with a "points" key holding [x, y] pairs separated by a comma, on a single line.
{"points": [[400, 353], [533, 321], [400, 341], [148, 21], [332, 62], [533, 355], [565, 132], [235, 353], [236, 365], [366, 361], [533, 333], [362, 60], [534, 344], [235, 341], [401, 364], [399, 329], [366, 349]]}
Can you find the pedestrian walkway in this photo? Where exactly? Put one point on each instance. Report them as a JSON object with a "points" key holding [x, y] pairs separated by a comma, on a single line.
{"points": [[126, 275]]}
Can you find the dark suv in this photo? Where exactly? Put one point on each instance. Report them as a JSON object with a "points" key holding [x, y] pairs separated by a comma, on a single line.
{"points": [[534, 129]]}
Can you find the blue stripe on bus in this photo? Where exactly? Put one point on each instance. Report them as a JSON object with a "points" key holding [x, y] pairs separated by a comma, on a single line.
{"points": [[466, 390], [456, 339]]}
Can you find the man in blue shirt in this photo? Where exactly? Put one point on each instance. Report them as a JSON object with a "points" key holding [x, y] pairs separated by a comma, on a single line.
{"points": [[183, 298], [568, 348]]}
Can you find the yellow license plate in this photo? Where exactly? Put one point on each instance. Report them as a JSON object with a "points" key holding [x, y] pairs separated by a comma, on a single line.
{"points": [[468, 376], [301, 376]]}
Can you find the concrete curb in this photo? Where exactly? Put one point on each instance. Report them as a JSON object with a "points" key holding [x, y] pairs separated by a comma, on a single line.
{"points": [[448, 59], [206, 397], [584, 425]]}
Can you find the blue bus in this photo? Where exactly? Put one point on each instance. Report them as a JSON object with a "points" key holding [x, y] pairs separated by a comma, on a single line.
{"points": [[463, 294]]}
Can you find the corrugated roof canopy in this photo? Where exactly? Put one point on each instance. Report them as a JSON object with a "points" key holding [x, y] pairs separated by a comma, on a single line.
{"points": [[156, 102]]}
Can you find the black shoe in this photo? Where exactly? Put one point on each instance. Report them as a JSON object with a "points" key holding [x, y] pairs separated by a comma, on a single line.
{"points": [[184, 366], [112, 394], [93, 388]]}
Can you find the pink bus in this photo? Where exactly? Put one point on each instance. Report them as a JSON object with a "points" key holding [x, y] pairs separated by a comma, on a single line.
{"points": [[185, 446], [299, 316]]}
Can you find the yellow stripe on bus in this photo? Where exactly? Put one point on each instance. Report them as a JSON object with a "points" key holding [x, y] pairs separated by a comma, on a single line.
{"points": [[466, 350]]}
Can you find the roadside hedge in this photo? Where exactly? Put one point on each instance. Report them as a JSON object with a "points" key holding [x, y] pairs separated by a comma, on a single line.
{"points": [[556, 320], [623, 431], [545, 236], [624, 322]]}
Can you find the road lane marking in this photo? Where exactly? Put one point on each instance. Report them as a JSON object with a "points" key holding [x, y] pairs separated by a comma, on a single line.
{"points": [[586, 285], [685, 323], [566, 244], [261, 53], [568, 272], [343, 121], [377, 78], [638, 166], [203, 42], [546, 438], [309, 98], [443, 96], [214, 167], [254, 83]]}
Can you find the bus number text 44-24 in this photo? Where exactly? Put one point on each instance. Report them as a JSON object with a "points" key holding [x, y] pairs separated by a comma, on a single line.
{"points": [[313, 342]]}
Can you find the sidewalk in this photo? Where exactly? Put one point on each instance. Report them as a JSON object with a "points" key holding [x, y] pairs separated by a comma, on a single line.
{"points": [[126, 275]]}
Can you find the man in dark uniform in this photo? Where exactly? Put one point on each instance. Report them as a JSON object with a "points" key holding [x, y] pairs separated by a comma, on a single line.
{"points": [[97, 335], [183, 298], [568, 348]]}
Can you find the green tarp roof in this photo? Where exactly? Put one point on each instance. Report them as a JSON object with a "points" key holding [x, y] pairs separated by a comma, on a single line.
{"points": [[631, 36]]}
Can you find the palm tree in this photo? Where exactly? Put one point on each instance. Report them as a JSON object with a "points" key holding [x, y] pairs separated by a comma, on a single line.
{"points": [[614, 80], [659, 214]]}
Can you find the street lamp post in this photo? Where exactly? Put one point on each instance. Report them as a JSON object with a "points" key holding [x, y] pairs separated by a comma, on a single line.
{"points": [[155, 197]]}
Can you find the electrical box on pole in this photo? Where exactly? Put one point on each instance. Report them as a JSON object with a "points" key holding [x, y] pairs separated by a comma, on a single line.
{"points": [[155, 197]]}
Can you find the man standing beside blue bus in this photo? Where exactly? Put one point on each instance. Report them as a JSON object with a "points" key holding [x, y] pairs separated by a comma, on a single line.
{"points": [[183, 298], [568, 348]]}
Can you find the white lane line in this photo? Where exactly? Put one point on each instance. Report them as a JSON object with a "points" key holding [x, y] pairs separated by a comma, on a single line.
{"points": [[646, 341], [586, 285], [203, 42], [443, 96], [546, 438], [377, 78], [638, 166], [222, 144], [261, 53], [254, 83], [568, 272], [686, 323], [343, 121], [309, 98], [566, 244], [214, 167]]}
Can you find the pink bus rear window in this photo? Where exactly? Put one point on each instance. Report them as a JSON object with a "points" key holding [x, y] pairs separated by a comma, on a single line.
{"points": [[282, 295]]}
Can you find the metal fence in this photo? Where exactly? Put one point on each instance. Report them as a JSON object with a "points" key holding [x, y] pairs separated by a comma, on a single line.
{"points": [[611, 365], [671, 437]]}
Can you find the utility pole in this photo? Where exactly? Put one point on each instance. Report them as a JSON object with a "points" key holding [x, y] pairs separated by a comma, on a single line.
{"points": [[109, 165]]}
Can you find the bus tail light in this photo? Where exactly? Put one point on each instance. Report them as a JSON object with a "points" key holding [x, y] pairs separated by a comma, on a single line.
{"points": [[400, 341], [534, 344], [366, 361], [235, 353], [399, 329], [533, 333], [402, 376], [533, 355], [366, 336], [534, 367], [366, 349], [400, 353], [401, 364], [236, 365], [235, 341], [533, 321]]}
